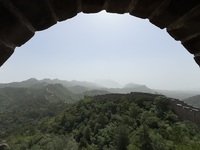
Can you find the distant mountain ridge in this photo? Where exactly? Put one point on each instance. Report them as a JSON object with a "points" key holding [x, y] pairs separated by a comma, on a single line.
{"points": [[108, 83], [78, 86], [194, 101], [83, 87], [33, 81], [133, 85], [26, 83], [128, 89]]}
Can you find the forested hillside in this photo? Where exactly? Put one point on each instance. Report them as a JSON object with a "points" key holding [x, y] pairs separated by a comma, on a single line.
{"points": [[194, 100], [135, 121], [11, 98]]}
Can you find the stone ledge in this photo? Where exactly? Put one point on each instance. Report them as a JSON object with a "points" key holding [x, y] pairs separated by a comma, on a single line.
{"points": [[197, 60], [5, 53], [64, 9], [171, 10], [193, 45], [14, 29], [118, 6], [144, 8], [91, 6], [187, 26], [38, 12]]}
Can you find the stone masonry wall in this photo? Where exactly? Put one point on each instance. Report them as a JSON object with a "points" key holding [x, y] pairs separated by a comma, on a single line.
{"points": [[180, 108]]}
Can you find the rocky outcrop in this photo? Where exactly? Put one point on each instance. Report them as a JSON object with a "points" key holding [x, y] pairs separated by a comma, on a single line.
{"points": [[20, 19], [4, 146]]}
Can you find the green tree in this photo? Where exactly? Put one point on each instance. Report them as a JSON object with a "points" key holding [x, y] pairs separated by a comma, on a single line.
{"points": [[122, 139], [141, 138], [162, 105]]}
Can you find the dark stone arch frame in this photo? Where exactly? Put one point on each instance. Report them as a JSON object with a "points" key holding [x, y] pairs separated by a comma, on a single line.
{"points": [[20, 19]]}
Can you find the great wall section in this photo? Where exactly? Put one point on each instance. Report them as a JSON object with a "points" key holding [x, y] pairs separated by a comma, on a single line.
{"points": [[20, 19], [185, 111], [180, 108]]}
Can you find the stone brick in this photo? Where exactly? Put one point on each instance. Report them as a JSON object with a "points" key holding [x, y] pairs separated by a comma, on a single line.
{"points": [[64, 9], [187, 26], [14, 30], [170, 11], [118, 6], [92, 6], [193, 45], [38, 12], [197, 60], [144, 8], [5, 53]]}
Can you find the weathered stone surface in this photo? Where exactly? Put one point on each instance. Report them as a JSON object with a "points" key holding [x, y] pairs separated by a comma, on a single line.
{"points": [[144, 8], [118, 6], [171, 10], [91, 6], [4, 146], [193, 45], [38, 12], [197, 59], [14, 30], [64, 9], [5, 53], [187, 26], [185, 32]]}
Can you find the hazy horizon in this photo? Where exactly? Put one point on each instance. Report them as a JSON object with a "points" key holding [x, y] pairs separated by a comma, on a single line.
{"points": [[88, 47], [92, 81], [114, 84]]}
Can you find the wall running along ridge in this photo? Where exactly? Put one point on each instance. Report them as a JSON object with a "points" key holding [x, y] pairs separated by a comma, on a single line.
{"points": [[20, 19], [180, 108]]}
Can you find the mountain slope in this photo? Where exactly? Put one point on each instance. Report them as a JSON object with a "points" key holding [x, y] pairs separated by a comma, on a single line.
{"points": [[12, 97], [194, 101], [26, 83], [135, 121], [21, 109]]}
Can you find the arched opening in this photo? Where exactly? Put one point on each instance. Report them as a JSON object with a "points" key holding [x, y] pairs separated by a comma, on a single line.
{"points": [[20, 19], [123, 48]]}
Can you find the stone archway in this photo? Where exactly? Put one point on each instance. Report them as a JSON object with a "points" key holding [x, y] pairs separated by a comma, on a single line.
{"points": [[20, 19]]}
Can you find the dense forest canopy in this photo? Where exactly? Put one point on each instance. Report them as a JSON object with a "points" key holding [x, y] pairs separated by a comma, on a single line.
{"points": [[135, 121]]}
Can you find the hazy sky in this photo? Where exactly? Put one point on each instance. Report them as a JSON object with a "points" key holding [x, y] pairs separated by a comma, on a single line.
{"points": [[105, 46]]}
